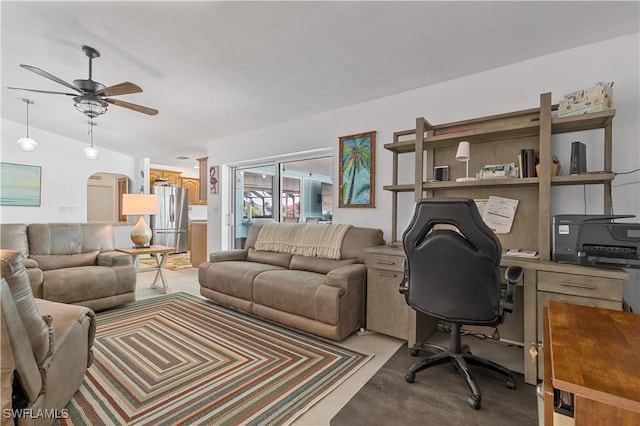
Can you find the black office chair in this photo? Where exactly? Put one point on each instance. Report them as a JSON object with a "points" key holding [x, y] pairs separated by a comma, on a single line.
{"points": [[452, 273]]}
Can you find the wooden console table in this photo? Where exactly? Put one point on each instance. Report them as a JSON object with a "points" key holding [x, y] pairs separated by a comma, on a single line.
{"points": [[591, 354], [159, 253]]}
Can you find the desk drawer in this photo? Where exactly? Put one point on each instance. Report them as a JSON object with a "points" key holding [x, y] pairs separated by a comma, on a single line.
{"points": [[382, 261], [387, 310], [580, 285]]}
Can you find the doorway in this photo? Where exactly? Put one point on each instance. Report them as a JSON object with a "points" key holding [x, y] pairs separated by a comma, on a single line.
{"points": [[104, 197]]}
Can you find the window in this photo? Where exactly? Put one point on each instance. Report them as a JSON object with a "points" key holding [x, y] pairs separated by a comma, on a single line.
{"points": [[301, 188]]}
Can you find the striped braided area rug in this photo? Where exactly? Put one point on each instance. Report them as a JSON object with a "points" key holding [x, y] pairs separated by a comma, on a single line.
{"points": [[180, 359]]}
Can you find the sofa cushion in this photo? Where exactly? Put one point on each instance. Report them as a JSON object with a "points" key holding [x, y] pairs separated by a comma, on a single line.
{"points": [[38, 332], [299, 292], [318, 264], [234, 278], [58, 261], [79, 284], [270, 257]]}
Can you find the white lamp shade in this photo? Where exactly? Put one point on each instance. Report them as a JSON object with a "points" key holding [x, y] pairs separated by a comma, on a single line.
{"points": [[27, 144], [139, 204], [463, 151]]}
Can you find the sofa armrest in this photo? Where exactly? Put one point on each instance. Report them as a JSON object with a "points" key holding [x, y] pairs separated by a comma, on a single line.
{"points": [[227, 255], [345, 275], [30, 263], [114, 258]]}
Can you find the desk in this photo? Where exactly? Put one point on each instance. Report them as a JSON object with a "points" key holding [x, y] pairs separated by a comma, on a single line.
{"points": [[159, 253], [592, 353], [543, 281]]}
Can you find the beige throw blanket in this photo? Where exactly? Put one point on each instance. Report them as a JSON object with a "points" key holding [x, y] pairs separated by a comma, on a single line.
{"points": [[312, 239]]}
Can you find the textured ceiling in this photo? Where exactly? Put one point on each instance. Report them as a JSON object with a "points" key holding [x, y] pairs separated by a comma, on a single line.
{"points": [[215, 69]]}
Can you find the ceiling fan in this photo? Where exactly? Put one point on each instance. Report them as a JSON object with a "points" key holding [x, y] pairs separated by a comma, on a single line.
{"points": [[92, 98]]}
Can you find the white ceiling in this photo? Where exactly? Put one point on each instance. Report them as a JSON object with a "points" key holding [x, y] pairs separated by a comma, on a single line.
{"points": [[215, 69]]}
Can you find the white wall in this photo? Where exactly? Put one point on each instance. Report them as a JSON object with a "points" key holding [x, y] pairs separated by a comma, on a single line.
{"points": [[65, 171], [504, 89]]}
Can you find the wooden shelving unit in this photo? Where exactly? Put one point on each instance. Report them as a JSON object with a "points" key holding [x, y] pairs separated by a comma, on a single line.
{"points": [[498, 139]]}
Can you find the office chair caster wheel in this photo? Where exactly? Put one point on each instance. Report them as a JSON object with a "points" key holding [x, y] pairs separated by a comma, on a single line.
{"points": [[510, 384], [414, 352], [474, 402], [410, 377]]}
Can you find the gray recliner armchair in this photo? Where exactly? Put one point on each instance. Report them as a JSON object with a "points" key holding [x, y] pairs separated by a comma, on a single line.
{"points": [[452, 274], [46, 348]]}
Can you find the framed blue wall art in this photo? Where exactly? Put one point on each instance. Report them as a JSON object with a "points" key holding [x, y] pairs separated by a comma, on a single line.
{"points": [[20, 185], [357, 170]]}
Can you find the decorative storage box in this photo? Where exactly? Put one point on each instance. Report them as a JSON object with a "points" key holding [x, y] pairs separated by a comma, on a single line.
{"points": [[594, 99]]}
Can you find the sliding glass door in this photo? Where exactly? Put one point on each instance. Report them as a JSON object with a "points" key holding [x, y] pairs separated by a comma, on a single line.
{"points": [[281, 191], [253, 199]]}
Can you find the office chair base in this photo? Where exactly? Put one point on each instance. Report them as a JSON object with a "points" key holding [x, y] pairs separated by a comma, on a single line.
{"points": [[460, 357]]}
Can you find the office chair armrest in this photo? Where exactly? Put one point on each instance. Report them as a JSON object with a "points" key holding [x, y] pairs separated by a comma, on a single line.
{"points": [[404, 284], [513, 275]]}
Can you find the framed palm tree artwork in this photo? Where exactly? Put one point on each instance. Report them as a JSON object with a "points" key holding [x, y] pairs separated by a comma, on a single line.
{"points": [[357, 170]]}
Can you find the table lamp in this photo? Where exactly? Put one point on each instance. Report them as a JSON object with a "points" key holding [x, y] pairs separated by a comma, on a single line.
{"points": [[463, 155], [140, 204]]}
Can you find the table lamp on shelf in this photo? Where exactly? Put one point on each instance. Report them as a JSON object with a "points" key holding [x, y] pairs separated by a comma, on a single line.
{"points": [[140, 204], [463, 155]]}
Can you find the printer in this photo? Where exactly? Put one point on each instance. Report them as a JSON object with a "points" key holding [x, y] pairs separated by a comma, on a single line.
{"points": [[596, 240]]}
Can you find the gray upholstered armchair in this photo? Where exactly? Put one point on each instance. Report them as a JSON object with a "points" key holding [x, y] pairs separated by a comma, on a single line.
{"points": [[73, 262]]}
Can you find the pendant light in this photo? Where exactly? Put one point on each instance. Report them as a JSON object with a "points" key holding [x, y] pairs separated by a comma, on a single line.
{"points": [[90, 152], [27, 144]]}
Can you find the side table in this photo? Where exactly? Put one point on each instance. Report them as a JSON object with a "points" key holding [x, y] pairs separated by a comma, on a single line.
{"points": [[159, 253]]}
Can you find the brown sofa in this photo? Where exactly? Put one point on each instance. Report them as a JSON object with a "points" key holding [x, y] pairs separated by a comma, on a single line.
{"points": [[46, 348], [318, 295], [73, 262]]}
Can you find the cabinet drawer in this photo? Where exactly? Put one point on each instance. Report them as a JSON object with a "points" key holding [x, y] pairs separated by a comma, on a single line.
{"points": [[383, 261], [580, 285], [387, 310]]}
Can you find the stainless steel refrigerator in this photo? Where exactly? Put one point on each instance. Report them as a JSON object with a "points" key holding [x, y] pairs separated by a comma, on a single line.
{"points": [[170, 225]]}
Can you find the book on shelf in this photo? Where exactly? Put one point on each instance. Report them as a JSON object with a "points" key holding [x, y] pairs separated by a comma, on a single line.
{"points": [[527, 160], [529, 254]]}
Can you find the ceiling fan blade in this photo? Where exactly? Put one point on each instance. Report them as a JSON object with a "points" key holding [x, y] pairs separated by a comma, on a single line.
{"points": [[43, 91], [50, 77], [128, 105], [120, 89]]}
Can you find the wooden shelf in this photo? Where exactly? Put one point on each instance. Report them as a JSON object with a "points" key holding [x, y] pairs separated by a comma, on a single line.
{"points": [[498, 137], [584, 179], [577, 123], [472, 136], [487, 183]]}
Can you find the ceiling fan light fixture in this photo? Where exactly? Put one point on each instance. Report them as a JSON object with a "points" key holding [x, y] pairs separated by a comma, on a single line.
{"points": [[26, 143], [90, 106]]}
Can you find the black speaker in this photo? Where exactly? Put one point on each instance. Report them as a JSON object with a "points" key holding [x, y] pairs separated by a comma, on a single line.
{"points": [[578, 158]]}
